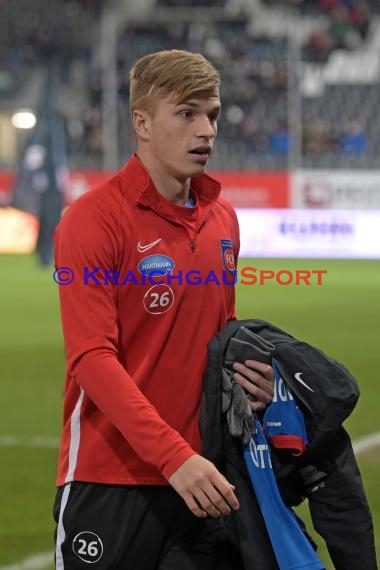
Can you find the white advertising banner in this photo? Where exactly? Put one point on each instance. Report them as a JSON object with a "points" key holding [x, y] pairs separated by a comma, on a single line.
{"points": [[335, 189], [350, 234]]}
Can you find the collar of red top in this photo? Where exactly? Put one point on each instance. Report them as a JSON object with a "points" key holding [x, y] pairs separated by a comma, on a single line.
{"points": [[204, 187]]}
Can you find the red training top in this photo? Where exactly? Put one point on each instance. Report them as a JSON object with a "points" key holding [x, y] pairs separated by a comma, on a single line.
{"points": [[136, 352]]}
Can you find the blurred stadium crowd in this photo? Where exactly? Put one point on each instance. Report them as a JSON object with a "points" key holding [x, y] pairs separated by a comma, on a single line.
{"points": [[300, 78]]}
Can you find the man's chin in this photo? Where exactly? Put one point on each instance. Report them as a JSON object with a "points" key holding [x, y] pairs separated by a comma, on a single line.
{"points": [[191, 170], [197, 169]]}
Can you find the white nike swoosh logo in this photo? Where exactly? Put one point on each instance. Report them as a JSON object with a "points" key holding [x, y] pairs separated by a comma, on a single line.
{"points": [[297, 376], [143, 248]]}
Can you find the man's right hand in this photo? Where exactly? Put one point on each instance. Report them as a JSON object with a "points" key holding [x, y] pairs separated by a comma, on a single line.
{"points": [[203, 488]]}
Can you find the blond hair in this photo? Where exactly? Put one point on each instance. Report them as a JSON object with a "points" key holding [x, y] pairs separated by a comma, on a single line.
{"points": [[181, 73]]}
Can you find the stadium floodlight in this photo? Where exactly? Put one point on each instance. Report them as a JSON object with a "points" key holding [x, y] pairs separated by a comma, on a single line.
{"points": [[24, 119]]}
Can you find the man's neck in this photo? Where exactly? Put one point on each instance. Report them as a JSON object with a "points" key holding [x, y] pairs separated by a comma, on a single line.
{"points": [[173, 189]]}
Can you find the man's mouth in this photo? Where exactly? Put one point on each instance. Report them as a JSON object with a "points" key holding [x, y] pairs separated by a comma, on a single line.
{"points": [[201, 152]]}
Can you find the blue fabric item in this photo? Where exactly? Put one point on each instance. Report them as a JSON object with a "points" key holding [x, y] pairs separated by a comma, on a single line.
{"points": [[283, 421], [279, 142], [353, 143], [190, 202], [292, 549]]}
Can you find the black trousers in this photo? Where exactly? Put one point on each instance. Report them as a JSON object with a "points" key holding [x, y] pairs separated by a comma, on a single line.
{"points": [[130, 528]]}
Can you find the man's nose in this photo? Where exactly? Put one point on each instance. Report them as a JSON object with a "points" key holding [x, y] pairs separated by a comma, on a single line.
{"points": [[206, 129]]}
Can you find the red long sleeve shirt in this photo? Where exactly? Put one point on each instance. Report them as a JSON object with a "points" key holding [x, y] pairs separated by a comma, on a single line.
{"points": [[136, 352]]}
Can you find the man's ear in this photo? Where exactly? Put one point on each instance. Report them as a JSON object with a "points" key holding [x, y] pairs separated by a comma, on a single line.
{"points": [[141, 123]]}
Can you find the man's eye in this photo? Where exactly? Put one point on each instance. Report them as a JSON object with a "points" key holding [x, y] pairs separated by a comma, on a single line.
{"points": [[187, 114]]}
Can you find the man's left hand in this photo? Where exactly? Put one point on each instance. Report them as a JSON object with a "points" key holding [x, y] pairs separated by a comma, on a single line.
{"points": [[257, 379]]}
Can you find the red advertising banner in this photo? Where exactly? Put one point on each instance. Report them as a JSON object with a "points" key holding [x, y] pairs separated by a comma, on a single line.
{"points": [[242, 189], [6, 182], [255, 189], [83, 180]]}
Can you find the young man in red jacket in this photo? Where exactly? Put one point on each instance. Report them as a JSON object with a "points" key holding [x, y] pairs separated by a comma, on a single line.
{"points": [[153, 253]]}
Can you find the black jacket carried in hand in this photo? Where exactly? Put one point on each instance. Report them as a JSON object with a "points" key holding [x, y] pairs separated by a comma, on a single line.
{"points": [[327, 473]]}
